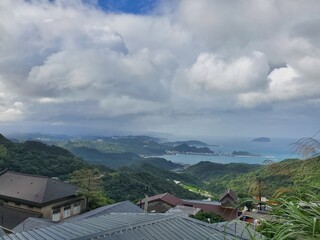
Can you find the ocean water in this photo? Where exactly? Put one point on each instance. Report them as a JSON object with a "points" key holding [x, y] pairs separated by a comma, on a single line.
{"points": [[276, 150]]}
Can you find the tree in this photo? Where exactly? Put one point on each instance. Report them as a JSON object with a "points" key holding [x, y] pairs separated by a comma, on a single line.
{"points": [[90, 182], [207, 217]]}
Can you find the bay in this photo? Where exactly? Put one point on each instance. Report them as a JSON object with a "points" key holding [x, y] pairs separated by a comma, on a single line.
{"points": [[276, 150]]}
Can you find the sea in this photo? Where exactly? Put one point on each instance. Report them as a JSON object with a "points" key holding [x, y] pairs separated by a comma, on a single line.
{"points": [[277, 150]]}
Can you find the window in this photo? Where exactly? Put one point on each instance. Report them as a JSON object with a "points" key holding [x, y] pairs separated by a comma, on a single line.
{"points": [[56, 215], [67, 211], [76, 208]]}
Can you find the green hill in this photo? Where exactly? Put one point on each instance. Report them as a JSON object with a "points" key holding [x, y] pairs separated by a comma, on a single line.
{"points": [[297, 176], [128, 184], [122, 184], [208, 170], [37, 158]]}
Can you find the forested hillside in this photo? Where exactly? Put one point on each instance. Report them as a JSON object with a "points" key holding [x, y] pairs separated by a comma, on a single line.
{"points": [[123, 184], [38, 158], [293, 176]]}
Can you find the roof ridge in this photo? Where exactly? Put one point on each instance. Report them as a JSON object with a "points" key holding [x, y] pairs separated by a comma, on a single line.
{"points": [[25, 174], [45, 190]]}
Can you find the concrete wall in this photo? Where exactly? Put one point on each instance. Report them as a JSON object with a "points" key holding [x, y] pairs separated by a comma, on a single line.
{"points": [[47, 211]]}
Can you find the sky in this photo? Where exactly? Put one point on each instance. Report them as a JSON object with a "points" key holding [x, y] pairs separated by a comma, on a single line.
{"points": [[177, 67]]}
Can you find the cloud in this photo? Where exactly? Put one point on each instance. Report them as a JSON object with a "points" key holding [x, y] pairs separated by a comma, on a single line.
{"points": [[67, 61]]}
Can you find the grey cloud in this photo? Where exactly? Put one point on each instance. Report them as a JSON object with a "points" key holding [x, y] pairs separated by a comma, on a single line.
{"points": [[188, 66]]}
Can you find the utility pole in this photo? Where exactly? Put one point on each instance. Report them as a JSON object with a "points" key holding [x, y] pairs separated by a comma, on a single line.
{"points": [[260, 194]]}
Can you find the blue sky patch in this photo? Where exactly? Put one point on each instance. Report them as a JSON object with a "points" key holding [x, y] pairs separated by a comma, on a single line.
{"points": [[128, 6]]}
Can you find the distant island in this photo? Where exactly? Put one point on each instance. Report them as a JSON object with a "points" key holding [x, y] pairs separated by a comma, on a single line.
{"points": [[261, 139], [186, 149], [189, 142], [244, 153]]}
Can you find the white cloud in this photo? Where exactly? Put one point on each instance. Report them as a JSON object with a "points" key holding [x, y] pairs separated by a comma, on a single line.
{"points": [[197, 58]]}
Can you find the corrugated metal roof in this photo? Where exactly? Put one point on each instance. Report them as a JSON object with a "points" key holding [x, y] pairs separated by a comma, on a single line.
{"points": [[129, 227], [121, 207], [34, 189]]}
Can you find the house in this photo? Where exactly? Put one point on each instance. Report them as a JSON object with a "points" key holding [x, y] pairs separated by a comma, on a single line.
{"points": [[130, 226], [161, 203], [121, 207], [226, 207], [23, 196]]}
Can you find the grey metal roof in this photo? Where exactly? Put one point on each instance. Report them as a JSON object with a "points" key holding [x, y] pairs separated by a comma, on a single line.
{"points": [[215, 203], [32, 223], [34, 189], [121, 207], [129, 227]]}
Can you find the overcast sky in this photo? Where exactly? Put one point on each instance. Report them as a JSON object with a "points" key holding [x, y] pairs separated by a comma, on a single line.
{"points": [[182, 67]]}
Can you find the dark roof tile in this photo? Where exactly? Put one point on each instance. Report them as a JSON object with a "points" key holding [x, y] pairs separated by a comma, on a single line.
{"points": [[35, 189]]}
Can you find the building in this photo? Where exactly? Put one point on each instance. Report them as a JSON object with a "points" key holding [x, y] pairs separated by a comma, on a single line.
{"points": [[121, 207], [226, 207], [23, 196], [131, 226], [161, 203]]}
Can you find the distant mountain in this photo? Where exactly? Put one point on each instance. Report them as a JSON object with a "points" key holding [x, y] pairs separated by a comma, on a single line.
{"points": [[185, 148], [261, 139]]}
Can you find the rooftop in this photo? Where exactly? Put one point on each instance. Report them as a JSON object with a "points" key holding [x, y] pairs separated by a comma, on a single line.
{"points": [[33, 189], [166, 197], [121, 207], [229, 193], [130, 226]]}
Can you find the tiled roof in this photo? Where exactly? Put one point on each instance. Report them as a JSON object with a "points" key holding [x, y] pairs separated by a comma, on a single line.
{"points": [[130, 227], [230, 193], [34, 189], [166, 197], [12, 217]]}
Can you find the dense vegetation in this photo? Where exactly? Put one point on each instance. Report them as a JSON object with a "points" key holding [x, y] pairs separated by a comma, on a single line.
{"points": [[123, 184], [38, 158], [128, 184], [293, 219], [292, 175]]}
